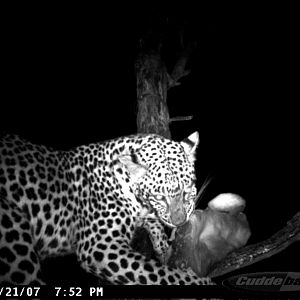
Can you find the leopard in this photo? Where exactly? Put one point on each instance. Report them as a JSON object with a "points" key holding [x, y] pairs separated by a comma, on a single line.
{"points": [[89, 200]]}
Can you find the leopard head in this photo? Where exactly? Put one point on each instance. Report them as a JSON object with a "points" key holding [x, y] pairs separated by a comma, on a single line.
{"points": [[164, 176]]}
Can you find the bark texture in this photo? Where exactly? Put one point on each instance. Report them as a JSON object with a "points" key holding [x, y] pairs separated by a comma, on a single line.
{"points": [[152, 84]]}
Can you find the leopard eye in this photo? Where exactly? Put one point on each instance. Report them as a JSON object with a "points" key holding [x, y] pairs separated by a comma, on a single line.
{"points": [[186, 196], [188, 193], [159, 197], [188, 190]]}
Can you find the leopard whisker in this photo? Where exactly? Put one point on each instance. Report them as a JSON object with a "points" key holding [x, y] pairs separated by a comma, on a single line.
{"points": [[200, 194]]}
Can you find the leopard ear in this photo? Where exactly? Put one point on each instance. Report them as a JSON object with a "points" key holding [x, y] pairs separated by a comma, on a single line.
{"points": [[190, 144], [134, 168]]}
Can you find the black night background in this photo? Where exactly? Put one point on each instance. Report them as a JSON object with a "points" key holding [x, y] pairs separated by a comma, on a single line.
{"points": [[68, 79]]}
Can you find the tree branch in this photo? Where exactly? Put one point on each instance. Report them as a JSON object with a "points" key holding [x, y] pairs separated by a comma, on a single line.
{"points": [[253, 253], [181, 118], [179, 70]]}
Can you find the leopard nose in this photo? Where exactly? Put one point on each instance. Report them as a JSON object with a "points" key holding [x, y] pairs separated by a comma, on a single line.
{"points": [[178, 221], [178, 217]]}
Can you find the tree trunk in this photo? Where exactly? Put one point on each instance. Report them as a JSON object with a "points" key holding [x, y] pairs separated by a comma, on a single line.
{"points": [[153, 82]]}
